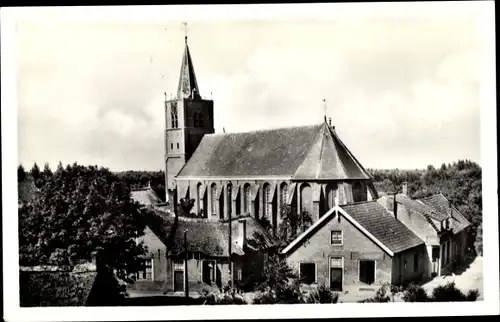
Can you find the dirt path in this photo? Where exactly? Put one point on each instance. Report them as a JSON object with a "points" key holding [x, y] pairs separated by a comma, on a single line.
{"points": [[471, 278]]}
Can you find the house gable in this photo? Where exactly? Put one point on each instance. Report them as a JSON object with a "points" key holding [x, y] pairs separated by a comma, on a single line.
{"points": [[152, 241], [334, 213]]}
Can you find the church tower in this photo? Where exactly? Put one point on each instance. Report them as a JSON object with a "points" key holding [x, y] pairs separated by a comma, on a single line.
{"points": [[188, 118]]}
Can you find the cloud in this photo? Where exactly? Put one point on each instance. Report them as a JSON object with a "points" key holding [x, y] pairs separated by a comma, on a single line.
{"points": [[401, 92]]}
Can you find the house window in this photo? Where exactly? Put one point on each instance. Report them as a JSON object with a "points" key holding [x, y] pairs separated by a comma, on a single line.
{"points": [[173, 114], [213, 195], [171, 146], [240, 275], [337, 237], [145, 273], [177, 145], [307, 273], [415, 262], [246, 198]]}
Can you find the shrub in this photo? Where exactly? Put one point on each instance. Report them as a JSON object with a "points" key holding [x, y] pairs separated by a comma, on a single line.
{"points": [[322, 295], [415, 293], [226, 297], [447, 293], [289, 294], [472, 295], [380, 297]]}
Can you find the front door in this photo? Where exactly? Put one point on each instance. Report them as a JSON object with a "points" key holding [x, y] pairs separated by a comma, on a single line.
{"points": [[336, 273], [208, 271], [178, 281]]}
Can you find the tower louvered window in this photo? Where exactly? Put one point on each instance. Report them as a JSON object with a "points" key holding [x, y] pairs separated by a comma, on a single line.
{"points": [[174, 117]]}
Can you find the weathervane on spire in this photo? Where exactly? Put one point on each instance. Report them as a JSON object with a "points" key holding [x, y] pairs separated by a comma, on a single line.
{"points": [[185, 32]]}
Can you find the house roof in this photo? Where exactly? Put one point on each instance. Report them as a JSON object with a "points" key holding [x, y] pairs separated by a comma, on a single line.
{"points": [[441, 205], [207, 237], [303, 152], [56, 286], [416, 206], [145, 196], [373, 220], [27, 191], [379, 222]]}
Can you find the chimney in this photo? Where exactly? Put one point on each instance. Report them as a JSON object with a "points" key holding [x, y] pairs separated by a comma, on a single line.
{"points": [[405, 188], [395, 207], [242, 232]]}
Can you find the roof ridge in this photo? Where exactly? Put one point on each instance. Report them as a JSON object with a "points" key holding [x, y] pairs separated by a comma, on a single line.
{"points": [[267, 130], [358, 203]]}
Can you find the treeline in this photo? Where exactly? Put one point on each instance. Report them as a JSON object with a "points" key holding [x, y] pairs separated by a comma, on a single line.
{"points": [[133, 179]]}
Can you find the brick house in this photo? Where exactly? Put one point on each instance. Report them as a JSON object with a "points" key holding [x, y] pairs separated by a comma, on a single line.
{"points": [[434, 219], [356, 244], [208, 254]]}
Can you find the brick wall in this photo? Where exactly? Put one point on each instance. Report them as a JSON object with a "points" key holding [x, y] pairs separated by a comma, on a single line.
{"points": [[356, 246]]}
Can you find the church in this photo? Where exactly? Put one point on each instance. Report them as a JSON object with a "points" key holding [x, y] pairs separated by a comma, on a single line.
{"points": [[254, 173]]}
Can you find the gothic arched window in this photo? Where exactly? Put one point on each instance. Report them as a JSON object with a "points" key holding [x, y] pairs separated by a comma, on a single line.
{"points": [[173, 115], [246, 198], [358, 192], [213, 198], [267, 196], [283, 194], [199, 197], [331, 193]]}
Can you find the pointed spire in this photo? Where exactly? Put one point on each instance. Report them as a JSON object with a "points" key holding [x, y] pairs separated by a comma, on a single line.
{"points": [[188, 86]]}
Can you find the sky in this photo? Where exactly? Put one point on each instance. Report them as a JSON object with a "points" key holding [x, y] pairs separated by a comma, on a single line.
{"points": [[403, 91]]}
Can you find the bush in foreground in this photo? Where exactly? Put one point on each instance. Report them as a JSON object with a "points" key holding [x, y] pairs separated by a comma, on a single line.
{"points": [[226, 297], [442, 293], [381, 296], [322, 295]]}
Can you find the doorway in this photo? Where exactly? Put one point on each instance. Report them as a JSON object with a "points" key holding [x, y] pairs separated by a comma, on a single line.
{"points": [[178, 281], [178, 276], [208, 269], [367, 271], [336, 273]]}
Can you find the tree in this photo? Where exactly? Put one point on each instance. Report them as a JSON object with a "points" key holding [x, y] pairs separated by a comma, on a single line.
{"points": [[47, 172], [292, 224], [21, 173], [60, 167], [35, 172], [81, 209]]}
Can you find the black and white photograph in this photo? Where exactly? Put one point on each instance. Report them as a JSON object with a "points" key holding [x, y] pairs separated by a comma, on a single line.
{"points": [[263, 157]]}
